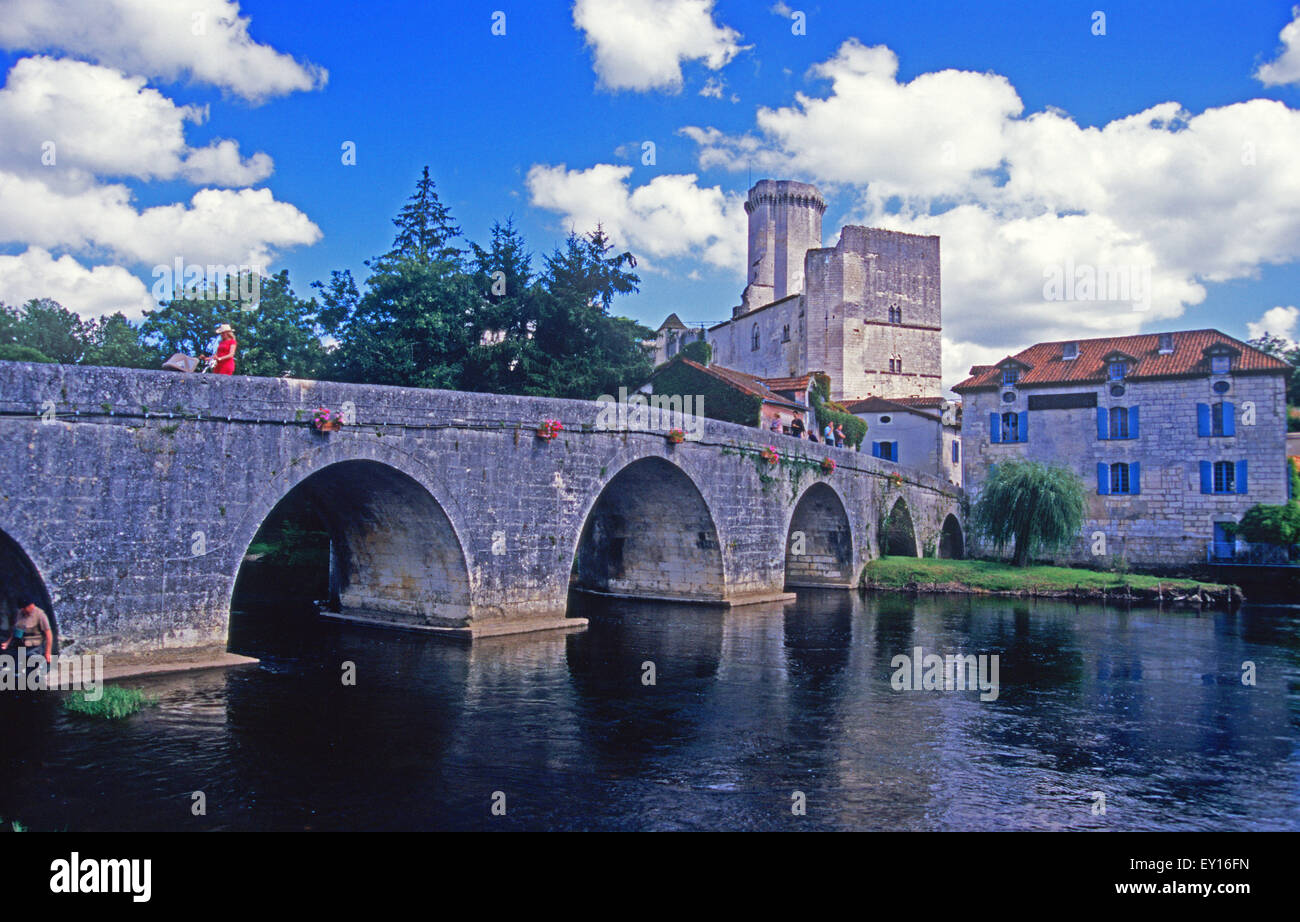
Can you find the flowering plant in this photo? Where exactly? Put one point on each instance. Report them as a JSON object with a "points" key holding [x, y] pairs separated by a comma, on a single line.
{"points": [[828, 465], [326, 420], [896, 479], [549, 429], [769, 454], [676, 436]]}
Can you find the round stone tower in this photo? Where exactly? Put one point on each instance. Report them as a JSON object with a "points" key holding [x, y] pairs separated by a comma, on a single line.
{"points": [[785, 222]]}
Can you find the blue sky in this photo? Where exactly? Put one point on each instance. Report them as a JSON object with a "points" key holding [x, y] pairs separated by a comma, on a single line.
{"points": [[546, 124]]}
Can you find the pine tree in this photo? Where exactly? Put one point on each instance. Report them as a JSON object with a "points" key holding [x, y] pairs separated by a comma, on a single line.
{"points": [[425, 230]]}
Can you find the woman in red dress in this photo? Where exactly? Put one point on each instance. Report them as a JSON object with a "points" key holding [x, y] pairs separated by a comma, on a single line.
{"points": [[225, 357]]}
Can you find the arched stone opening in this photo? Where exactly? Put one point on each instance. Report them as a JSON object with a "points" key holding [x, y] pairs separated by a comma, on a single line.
{"points": [[19, 579], [393, 556], [650, 535], [952, 544], [897, 533], [819, 542]]}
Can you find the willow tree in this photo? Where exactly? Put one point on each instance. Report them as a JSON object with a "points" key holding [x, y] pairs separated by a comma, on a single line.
{"points": [[1031, 505]]}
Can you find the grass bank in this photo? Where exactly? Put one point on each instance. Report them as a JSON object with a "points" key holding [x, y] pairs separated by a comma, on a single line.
{"points": [[996, 578]]}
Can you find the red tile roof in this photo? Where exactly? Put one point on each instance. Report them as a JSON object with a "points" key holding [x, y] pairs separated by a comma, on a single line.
{"points": [[746, 383], [1043, 365], [798, 385]]}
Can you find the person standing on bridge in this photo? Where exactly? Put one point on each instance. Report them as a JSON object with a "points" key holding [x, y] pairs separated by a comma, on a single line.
{"points": [[225, 357], [30, 627]]}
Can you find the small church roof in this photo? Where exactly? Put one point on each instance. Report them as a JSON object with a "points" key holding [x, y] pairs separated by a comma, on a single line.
{"points": [[671, 322]]}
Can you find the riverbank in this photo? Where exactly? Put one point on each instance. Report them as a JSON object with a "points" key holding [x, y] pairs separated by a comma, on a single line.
{"points": [[989, 577]]}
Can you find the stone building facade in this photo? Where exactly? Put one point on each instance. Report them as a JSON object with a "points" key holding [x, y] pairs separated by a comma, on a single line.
{"points": [[866, 311], [1173, 434], [923, 433]]}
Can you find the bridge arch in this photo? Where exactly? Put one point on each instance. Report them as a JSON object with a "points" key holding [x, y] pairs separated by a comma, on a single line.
{"points": [[395, 554], [819, 541], [650, 534], [898, 532], [952, 542], [20, 577]]}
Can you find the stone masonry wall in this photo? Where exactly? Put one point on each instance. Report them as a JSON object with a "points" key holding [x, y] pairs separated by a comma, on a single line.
{"points": [[1170, 523]]}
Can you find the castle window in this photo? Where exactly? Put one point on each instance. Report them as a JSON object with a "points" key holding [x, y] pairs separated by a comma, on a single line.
{"points": [[785, 333], [1119, 423], [1216, 419], [896, 365], [753, 341], [895, 315], [1119, 478], [1223, 476]]}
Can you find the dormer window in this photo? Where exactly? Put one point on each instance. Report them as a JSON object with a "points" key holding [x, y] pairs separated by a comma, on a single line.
{"points": [[1220, 364], [1115, 371], [1069, 352], [1166, 346], [1010, 375]]}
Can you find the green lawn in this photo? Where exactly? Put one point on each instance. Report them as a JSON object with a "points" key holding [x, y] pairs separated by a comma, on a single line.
{"points": [[1001, 577]]}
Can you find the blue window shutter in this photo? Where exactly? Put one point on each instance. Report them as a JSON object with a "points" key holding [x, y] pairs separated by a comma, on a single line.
{"points": [[1207, 477], [995, 428], [1203, 419], [1229, 419], [1103, 478], [1135, 477], [875, 449], [1132, 422], [1241, 476], [893, 451], [1103, 423], [1024, 426]]}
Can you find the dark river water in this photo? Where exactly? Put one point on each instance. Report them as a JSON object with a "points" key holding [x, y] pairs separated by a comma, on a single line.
{"points": [[748, 707]]}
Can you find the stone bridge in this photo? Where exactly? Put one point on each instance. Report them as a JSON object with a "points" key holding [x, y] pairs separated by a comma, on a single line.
{"points": [[129, 499]]}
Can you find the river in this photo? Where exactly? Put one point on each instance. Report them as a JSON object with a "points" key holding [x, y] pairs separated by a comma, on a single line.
{"points": [[748, 710]]}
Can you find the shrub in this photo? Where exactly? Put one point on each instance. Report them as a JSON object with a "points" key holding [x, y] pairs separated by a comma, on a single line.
{"points": [[115, 703]]}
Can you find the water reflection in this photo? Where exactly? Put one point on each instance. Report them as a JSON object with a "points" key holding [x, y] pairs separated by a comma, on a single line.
{"points": [[746, 708]]}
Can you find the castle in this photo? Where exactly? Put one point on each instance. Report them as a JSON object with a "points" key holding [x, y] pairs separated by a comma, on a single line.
{"points": [[866, 312]]}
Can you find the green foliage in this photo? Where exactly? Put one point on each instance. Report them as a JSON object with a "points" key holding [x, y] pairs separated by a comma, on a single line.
{"points": [[115, 703], [995, 576], [721, 402], [1032, 505], [697, 351], [1290, 353], [1264, 524], [12, 352], [827, 411]]}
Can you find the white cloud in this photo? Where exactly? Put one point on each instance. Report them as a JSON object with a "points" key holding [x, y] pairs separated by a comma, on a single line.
{"points": [[205, 39], [713, 88], [100, 121], [1286, 69], [1276, 321], [92, 292], [1188, 198], [641, 44], [670, 216], [223, 226]]}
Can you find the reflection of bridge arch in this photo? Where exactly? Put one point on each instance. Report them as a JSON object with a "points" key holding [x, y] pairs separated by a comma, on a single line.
{"points": [[650, 534], [20, 578], [898, 533], [952, 543], [819, 541], [394, 554]]}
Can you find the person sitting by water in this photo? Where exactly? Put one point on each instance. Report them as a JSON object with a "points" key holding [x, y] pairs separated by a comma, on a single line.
{"points": [[30, 627], [225, 358]]}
